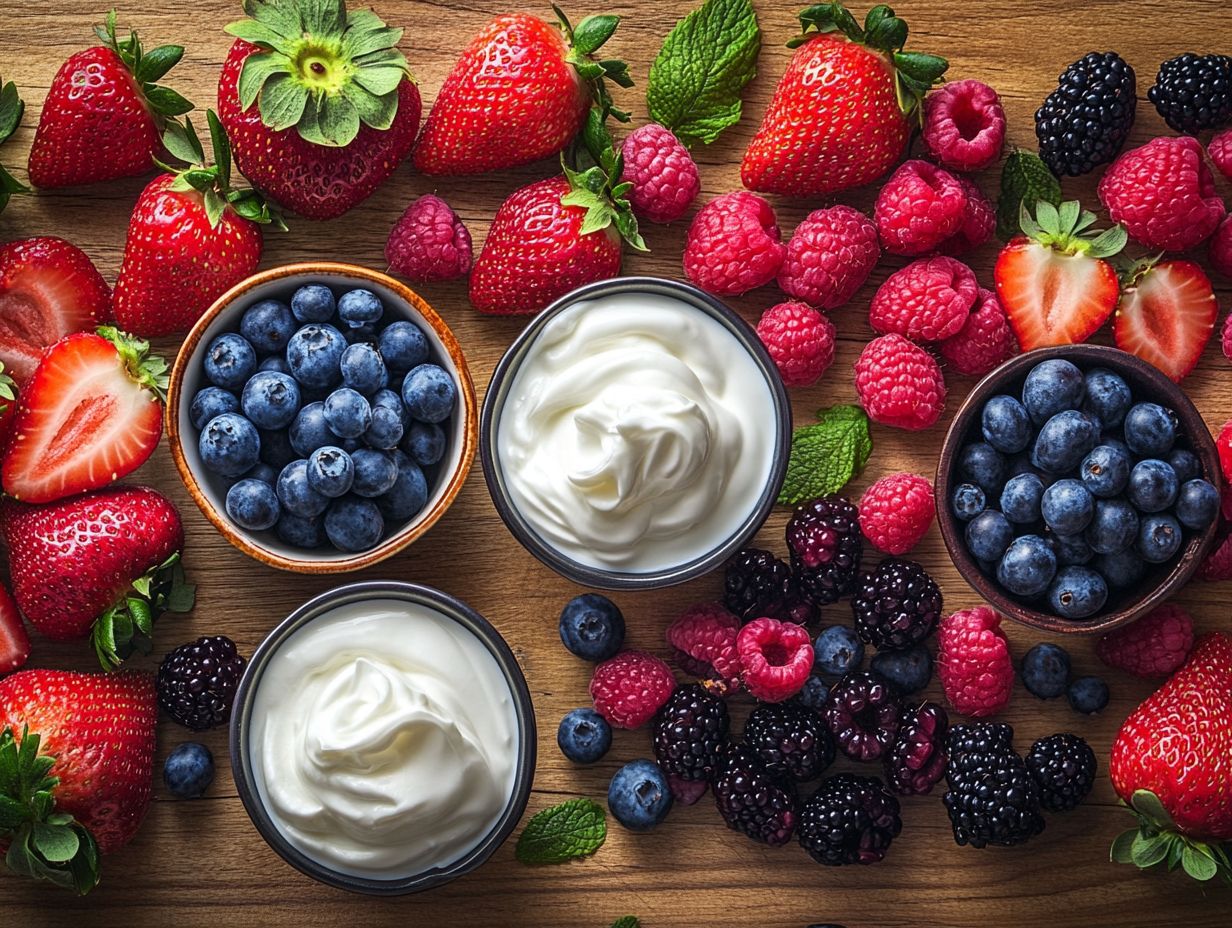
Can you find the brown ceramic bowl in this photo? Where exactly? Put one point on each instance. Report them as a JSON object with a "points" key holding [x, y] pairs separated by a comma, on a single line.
{"points": [[209, 490], [1160, 582]]}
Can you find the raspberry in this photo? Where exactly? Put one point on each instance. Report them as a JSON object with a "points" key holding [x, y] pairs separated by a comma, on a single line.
{"points": [[920, 207], [984, 341], [1219, 251], [896, 511], [916, 761], [1220, 150], [429, 243], [978, 225], [800, 340], [1163, 194], [863, 713], [899, 383], [663, 173], [823, 536], [964, 125], [829, 257], [733, 244], [1154, 646], [1218, 564], [973, 661], [703, 642], [1223, 445], [777, 658], [928, 300], [630, 688]]}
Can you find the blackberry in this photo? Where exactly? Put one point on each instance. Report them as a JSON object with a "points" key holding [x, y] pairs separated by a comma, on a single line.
{"points": [[980, 738], [1063, 767], [1193, 92], [791, 741], [897, 605], [1085, 121], [849, 820], [690, 732], [917, 759], [197, 682], [992, 797], [863, 712], [757, 584], [825, 542], [751, 800]]}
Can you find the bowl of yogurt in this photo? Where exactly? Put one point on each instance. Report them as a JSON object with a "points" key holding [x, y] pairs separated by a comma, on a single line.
{"points": [[383, 738], [636, 434]]}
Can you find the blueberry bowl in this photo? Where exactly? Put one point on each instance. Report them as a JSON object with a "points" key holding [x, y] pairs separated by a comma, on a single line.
{"points": [[1086, 527], [379, 499]]}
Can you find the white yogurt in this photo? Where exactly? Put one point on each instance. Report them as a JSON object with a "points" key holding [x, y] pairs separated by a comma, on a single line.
{"points": [[383, 739], [637, 434]]}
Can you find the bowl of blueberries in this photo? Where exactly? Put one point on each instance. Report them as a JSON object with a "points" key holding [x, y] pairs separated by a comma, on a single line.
{"points": [[322, 416], [1077, 488]]}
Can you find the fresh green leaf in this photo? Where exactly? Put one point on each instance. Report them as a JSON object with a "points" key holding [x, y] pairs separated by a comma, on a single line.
{"points": [[1025, 181], [11, 110], [827, 454], [337, 122], [55, 843], [380, 79], [166, 101], [1148, 851], [283, 101], [222, 148], [627, 921], [182, 143], [574, 828], [256, 33], [377, 111], [1122, 847], [1109, 242], [157, 62], [1147, 804], [1198, 865], [592, 32], [12, 813], [258, 68]]}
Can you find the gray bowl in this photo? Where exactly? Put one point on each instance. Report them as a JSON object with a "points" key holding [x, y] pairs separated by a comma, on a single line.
{"points": [[242, 761], [498, 393]]}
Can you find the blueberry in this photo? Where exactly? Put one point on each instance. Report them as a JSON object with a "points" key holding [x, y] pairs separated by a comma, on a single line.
{"points": [[1152, 486], [363, 370], [403, 346], [229, 361], [268, 326], [1088, 695], [270, 400], [1027, 567], [584, 736], [1020, 500], [1045, 670], [1113, 528], [409, 493], [365, 334], [276, 363], [392, 400], [1159, 538], [1005, 424], [988, 535], [330, 471], [1122, 571], [347, 413], [1077, 593], [1107, 397], [1052, 386], [425, 443], [385, 430], [1070, 549], [276, 450], [639, 797], [300, 532], [210, 402], [1105, 471], [296, 493], [910, 671], [313, 303], [429, 393], [1063, 441], [188, 770], [253, 505], [1067, 506], [592, 627], [314, 355], [375, 472], [980, 463], [229, 445], [1150, 430], [263, 472], [837, 651], [814, 692], [1185, 464], [968, 501], [1197, 504], [310, 431], [359, 307], [353, 524]]}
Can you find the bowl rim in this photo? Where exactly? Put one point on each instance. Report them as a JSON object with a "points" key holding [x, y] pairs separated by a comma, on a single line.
{"points": [[410, 532], [1087, 357], [449, 606], [497, 394]]}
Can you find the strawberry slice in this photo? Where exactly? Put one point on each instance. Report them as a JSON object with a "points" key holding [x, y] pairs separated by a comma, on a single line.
{"points": [[91, 413], [1167, 315], [48, 289], [14, 642], [1052, 280]]}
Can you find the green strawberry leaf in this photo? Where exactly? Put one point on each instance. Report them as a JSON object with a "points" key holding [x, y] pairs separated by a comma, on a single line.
{"points": [[57, 843], [592, 32], [1025, 182], [1148, 850], [574, 828], [627, 921], [827, 454], [1198, 864], [1147, 804], [1122, 847]]}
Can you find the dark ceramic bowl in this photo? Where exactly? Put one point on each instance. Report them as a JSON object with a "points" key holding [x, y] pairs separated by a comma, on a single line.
{"points": [[498, 393], [1160, 582], [242, 759]]}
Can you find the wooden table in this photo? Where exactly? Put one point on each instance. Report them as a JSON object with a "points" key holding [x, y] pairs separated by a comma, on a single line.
{"points": [[202, 863]]}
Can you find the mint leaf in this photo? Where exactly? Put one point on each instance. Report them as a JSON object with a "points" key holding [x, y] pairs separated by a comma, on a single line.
{"points": [[826, 455], [1024, 179], [704, 64], [574, 828], [627, 921]]}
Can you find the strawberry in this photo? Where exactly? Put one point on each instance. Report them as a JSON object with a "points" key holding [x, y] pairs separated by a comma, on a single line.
{"points": [[840, 115], [1166, 315], [1172, 763], [1053, 282], [91, 413], [518, 93], [319, 103], [104, 115], [11, 111], [48, 289], [14, 642], [76, 764]]}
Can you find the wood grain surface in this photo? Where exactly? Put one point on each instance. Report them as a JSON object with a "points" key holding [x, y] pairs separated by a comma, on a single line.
{"points": [[202, 863]]}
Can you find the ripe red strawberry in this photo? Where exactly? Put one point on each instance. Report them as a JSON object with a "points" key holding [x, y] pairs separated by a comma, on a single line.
{"points": [[48, 289], [1172, 762], [518, 93], [319, 103], [103, 564], [104, 115], [91, 413], [1052, 281], [87, 741], [840, 114], [14, 642], [1167, 315]]}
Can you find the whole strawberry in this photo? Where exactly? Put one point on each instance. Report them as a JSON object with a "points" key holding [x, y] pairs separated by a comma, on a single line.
{"points": [[104, 115], [103, 564], [320, 105], [840, 116]]}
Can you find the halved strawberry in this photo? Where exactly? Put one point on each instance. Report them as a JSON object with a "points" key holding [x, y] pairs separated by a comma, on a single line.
{"points": [[1051, 280], [91, 413], [1167, 315], [14, 642], [48, 289]]}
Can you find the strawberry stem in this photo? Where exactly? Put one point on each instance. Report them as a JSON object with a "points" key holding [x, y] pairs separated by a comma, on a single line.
{"points": [[1067, 229], [148, 370], [1155, 841], [586, 39], [127, 627], [593, 166], [147, 68]]}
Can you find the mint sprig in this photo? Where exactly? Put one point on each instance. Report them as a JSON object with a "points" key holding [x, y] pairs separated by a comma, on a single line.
{"points": [[1025, 179], [827, 454], [572, 829]]}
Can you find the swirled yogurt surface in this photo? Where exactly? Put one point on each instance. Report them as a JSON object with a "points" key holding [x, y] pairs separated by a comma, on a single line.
{"points": [[384, 739], [637, 434]]}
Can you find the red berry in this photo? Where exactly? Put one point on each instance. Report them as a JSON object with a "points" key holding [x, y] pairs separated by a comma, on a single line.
{"points": [[1154, 646], [964, 125], [703, 640], [777, 658], [928, 300], [733, 245], [663, 173], [977, 227], [800, 340], [920, 207], [896, 512], [1226, 338], [1218, 564], [1220, 150], [899, 383], [973, 662], [1219, 251], [984, 341], [1223, 443], [630, 688], [429, 243], [829, 257]]}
